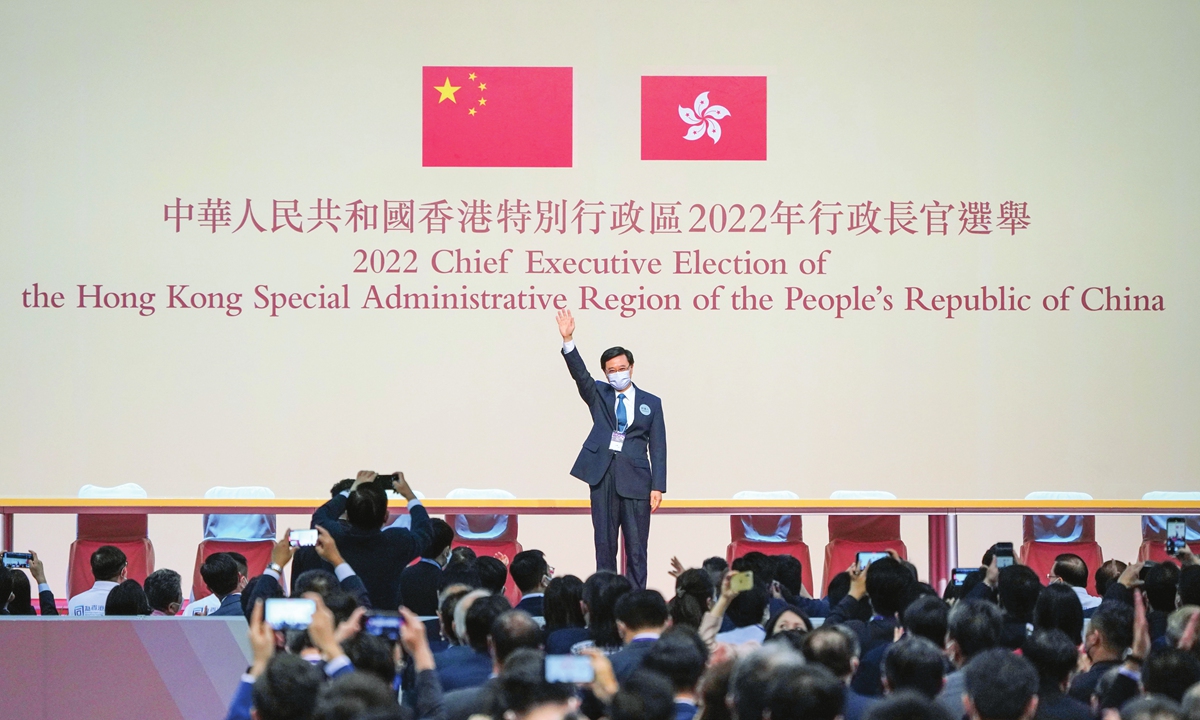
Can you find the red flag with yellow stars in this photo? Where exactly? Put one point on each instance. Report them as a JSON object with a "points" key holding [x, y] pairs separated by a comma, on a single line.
{"points": [[496, 116]]}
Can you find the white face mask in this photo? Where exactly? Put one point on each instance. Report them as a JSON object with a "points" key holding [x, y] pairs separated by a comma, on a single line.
{"points": [[619, 380]]}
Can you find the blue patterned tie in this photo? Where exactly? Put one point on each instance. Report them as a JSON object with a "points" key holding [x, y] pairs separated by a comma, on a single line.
{"points": [[621, 416]]}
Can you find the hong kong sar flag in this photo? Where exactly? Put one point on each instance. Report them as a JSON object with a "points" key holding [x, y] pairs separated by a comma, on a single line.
{"points": [[477, 116], [704, 118]]}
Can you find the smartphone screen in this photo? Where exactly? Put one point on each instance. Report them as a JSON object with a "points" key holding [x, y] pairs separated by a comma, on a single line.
{"points": [[302, 538], [1004, 555], [960, 575], [289, 613], [866, 558], [569, 669], [17, 560], [742, 581], [1176, 534], [384, 624]]}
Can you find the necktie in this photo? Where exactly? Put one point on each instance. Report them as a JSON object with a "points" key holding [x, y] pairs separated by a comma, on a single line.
{"points": [[621, 416]]}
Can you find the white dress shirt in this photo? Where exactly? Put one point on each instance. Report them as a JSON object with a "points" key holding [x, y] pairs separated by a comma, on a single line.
{"points": [[1088, 601], [630, 393], [206, 605], [90, 603]]}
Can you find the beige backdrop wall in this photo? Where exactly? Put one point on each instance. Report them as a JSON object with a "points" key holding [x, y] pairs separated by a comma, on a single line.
{"points": [[1084, 111]]}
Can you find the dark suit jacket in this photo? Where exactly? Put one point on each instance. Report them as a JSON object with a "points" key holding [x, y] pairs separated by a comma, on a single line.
{"points": [[855, 706], [628, 659], [419, 588], [872, 632], [482, 700], [46, 601], [1054, 705], [377, 556], [462, 667], [305, 559], [642, 464], [266, 586], [534, 606], [560, 641], [231, 605], [868, 681], [1084, 684]]}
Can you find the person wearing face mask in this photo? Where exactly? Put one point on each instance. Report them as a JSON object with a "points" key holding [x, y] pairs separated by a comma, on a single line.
{"points": [[623, 459]]}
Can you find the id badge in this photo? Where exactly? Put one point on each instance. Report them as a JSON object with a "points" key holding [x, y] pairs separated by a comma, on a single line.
{"points": [[617, 442]]}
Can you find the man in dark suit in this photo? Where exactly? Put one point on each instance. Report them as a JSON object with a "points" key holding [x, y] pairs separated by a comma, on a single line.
{"points": [[641, 618], [623, 459], [531, 573], [221, 575], [376, 554], [470, 664], [419, 582], [510, 631], [680, 656]]}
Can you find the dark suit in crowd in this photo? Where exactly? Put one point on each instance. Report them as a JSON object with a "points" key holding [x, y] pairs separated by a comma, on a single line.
{"points": [[231, 605], [460, 667], [620, 481], [532, 605], [419, 586], [627, 660], [377, 556]]}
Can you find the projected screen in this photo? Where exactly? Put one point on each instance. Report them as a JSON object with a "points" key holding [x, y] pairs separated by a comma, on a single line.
{"points": [[945, 251]]}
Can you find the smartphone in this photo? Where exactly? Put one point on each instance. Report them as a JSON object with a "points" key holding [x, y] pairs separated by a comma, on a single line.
{"points": [[384, 624], [1146, 568], [302, 538], [17, 560], [289, 613], [1004, 554], [1176, 534], [958, 576], [741, 581], [866, 558], [569, 669]]}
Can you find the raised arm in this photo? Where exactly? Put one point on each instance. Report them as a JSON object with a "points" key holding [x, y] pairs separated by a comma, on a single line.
{"points": [[579, 373]]}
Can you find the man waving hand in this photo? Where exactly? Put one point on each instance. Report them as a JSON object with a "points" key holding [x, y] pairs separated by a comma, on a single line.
{"points": [[623, 459]]}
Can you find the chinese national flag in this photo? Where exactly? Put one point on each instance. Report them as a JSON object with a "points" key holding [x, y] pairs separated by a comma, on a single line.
{"points": [[704, 118], [496, 116]]}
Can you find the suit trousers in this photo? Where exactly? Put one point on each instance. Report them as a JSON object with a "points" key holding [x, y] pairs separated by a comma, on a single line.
{"points": [[612, 515]]}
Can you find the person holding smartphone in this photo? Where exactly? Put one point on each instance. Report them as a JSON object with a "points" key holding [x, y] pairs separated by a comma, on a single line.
{"points": [[377, 554]]}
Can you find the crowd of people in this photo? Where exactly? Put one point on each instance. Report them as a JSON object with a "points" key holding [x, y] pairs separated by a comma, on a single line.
{"points": [[1005, 644]]}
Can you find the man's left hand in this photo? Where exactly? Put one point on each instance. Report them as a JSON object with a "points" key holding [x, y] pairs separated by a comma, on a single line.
{"points": [[655, 500]]}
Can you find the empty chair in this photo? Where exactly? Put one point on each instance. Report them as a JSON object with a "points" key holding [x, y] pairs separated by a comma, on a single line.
{"points": [[129, 532], [251, 534], [852, 534], [1048, 536], [1154, 527], [769, 534], [492, 535]]}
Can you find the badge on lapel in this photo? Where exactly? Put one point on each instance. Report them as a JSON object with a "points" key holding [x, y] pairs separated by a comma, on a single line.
{"points": [[645, 409]]}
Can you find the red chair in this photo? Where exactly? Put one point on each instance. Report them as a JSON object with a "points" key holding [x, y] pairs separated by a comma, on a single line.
{"points": [[1045, 537], [127, 532], [1154, 528], [769, 534], [246, 533], [250, 534], [851, 534], [491, 535], [257, 553]]}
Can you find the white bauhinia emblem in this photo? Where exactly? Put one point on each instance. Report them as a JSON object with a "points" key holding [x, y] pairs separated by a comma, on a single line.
{"points": [[703, 117]]}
